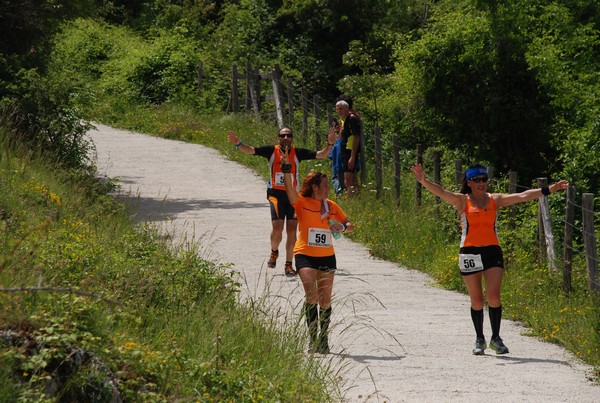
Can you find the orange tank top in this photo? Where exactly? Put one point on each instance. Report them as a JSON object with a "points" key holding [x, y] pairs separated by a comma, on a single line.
{"points": [[479, 225], [276, 181]]}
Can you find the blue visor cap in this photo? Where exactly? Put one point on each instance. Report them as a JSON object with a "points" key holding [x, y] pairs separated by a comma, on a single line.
{"points": [[473, 172]]}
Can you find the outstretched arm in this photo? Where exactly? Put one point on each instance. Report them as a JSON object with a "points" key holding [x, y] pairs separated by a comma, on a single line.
{"points": [[508, 199], [235, 140], [458, 200]]}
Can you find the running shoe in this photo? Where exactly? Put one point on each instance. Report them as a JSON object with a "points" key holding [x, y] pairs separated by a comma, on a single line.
{"points": [[273, 259], [498, 346], [289, 270], [480, 347], [323, 346]]}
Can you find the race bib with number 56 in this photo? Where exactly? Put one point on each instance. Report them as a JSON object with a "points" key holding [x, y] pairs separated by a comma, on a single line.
{"points": [[469, 263]]}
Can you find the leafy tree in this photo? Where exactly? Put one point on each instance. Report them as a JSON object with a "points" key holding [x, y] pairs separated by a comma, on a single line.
{"points": [[466, 80], [565, 54], [37, 111]]}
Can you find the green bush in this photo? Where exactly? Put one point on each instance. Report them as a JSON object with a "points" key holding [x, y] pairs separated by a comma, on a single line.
{"points": [[40, 115]]}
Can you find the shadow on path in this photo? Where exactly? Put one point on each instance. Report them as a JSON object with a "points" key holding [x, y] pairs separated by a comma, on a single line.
{"points": [[159, 208]]}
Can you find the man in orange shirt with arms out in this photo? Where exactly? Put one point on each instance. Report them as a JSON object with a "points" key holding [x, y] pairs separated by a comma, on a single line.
{"points": [[281, 209]]}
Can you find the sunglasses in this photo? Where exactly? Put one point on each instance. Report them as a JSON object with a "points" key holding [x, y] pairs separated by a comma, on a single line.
{"points": [[480, 179], [289, 136]]}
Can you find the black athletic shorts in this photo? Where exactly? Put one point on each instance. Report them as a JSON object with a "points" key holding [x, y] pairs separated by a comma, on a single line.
{"points": [[491, 256], [324, 263], [281, 208], [346, 154]]}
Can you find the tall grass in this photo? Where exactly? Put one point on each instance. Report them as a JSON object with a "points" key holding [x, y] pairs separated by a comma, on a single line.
{"points": [[94, 307], [424, 237]]}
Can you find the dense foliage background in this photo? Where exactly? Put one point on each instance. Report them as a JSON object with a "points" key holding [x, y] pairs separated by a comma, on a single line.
{"points": [[514, 84]]}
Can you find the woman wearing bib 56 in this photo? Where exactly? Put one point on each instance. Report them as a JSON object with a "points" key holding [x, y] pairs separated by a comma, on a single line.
{"points": [[480, 255], [313, 252]]}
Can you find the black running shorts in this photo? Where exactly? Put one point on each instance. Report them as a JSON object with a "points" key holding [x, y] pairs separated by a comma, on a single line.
{"points": [[325, 263], [281, 208], [491, 256]]}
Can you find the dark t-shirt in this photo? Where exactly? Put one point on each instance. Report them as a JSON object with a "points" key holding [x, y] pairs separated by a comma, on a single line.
{"points": [[351, 128]]}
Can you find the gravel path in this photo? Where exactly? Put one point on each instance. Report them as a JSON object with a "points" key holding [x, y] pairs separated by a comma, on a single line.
{"points": [[395, 337]]}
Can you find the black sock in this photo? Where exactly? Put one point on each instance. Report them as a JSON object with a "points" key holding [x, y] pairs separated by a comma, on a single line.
{"points": [[290, 263], [311, 312], [477, 317], [495, 319], [324, 320]]}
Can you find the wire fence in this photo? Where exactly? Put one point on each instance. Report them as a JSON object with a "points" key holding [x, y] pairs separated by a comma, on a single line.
{"points": [[281, 101]]}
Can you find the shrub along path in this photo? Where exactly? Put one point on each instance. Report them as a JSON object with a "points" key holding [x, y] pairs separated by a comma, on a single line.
{"points": [[395, 337]]}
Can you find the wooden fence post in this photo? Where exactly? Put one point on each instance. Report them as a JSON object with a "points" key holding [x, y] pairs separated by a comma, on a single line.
{"points": [[512, 188], [290, 95], [490, 171], [568, 248], [546, 224], [252, 91], [249, 72], [317, 113], [418, 185], [512, 181], [458, 171], [396, 157], [436, 172], [304, 115], [328, 109], [234, 90], [361, 155], [378, 163], [277, 95], [258, 88], [589, 234]]}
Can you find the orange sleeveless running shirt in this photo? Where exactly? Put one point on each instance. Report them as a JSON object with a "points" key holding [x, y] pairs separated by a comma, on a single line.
{"points": [[276, 181], [479, 225], [314, 236]]}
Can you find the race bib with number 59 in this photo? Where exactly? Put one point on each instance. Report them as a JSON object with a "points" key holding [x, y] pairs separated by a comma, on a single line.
{"points": [[319, 237]]}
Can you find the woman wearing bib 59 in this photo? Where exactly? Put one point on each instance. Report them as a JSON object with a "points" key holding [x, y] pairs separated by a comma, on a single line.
{"points": [[480, 255], [313, 252]]}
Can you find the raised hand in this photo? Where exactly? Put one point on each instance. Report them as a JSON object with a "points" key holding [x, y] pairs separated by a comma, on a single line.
{"points": [[417, 170], [286, 167], [232, 137], [560, 185]]}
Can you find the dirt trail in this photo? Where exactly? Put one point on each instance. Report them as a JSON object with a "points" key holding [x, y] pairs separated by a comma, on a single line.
{"points": [[395, 337]]}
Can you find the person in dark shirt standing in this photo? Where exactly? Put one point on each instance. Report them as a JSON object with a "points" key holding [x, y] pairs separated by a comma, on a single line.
{"points": [[281, 209], [350, 145]]}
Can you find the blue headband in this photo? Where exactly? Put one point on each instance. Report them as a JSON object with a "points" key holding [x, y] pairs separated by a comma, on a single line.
{"points": [[473, 172]]}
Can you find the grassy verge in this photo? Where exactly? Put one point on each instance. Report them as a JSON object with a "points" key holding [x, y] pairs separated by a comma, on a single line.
{"points": [[425, 237], [95, 308]]}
